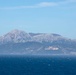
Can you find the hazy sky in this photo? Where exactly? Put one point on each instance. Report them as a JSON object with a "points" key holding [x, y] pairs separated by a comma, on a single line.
{"points": [[47, 16]]}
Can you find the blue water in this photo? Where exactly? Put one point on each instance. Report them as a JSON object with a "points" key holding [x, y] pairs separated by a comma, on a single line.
{"points": [[37, 65]]}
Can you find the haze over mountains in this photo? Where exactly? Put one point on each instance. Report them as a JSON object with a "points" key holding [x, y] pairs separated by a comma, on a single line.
{"points": [[20, 42]]}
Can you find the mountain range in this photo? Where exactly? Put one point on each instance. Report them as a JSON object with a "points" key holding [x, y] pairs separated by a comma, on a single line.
{"points": [[21, 42]]}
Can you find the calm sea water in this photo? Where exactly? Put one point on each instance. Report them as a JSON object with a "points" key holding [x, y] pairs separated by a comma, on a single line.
{"points": [[37, 65]]}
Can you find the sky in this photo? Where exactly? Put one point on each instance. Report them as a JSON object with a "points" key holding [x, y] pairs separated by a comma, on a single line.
{"points": [[39, 16]]}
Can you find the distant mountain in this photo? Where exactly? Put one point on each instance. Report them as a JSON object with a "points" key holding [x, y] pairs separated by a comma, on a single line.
{"points": [[20, 42], [15, 36]]}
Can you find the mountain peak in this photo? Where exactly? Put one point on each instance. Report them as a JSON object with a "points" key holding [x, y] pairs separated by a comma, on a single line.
{"points": [[16, 36], [16, 31]]}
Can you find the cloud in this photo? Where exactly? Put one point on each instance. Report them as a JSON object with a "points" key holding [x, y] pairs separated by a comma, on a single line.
{"points": [[17, 7], [41, 5], [47, 4]]}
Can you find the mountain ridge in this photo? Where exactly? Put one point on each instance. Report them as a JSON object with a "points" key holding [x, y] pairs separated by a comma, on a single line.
{"points": [[17, 35], [20, 42]]}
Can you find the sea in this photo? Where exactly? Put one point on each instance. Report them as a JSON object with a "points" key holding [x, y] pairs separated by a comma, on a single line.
{"points": [[37, 65]]}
